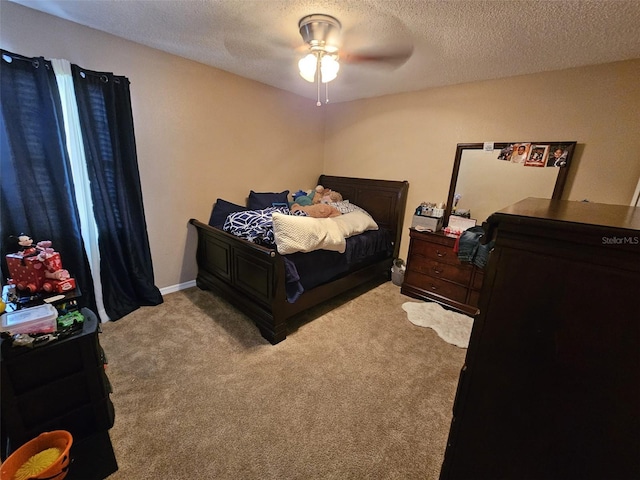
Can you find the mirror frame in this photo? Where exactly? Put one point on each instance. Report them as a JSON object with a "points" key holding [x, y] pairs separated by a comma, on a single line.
{"points": [[561, 180]]}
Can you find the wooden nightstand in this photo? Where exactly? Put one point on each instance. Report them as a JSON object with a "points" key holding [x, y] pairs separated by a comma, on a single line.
{"points": [[435, 273]]}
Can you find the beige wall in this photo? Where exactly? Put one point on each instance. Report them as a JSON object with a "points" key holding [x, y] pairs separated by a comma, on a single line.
{"points": [[203, 133], [413, 136]]}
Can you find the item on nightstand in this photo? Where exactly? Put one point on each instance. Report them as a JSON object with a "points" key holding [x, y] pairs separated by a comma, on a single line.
{"points": [[429, 209], [461, 223], [437, 212], [70, 319], [462, 213], [40, 319], [38, 268], [456, 199], [426, 224], [452, 232], [27, 273]]}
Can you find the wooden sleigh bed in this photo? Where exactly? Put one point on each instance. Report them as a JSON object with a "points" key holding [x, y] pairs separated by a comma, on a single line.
{"points": [[252, 277]]}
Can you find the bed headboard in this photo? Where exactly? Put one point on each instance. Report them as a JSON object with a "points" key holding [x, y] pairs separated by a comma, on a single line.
{"points": [[385, 200]]}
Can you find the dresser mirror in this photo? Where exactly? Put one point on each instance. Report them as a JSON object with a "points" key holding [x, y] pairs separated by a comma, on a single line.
{"points": [[487, 178]]}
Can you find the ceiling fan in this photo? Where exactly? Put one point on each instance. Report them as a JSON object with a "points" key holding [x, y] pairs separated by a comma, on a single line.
{"points": [[324, 40]]}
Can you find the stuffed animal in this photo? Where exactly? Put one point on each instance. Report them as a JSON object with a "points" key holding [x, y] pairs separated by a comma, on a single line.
{"points": [[326, 195], [299, 193], [331, 197], [319, 210], [303, 198], [315, 196]]}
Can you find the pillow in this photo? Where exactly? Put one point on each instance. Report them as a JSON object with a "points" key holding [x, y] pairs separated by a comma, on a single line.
{"points": [[221, 210], [355, 222], [347, 207], [306, 234], [262, 200], [253, 225]]}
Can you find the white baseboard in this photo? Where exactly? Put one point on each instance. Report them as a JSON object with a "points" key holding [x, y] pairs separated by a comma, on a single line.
{"points": [[163, 291], [178, 287]]}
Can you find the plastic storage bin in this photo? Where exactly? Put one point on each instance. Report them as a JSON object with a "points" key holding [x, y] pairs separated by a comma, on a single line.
{"points": [[40, 319]]}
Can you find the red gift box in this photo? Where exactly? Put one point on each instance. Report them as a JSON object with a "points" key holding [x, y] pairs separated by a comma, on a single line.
{"points": [[59, 286], [52, 262], [27, 273]]}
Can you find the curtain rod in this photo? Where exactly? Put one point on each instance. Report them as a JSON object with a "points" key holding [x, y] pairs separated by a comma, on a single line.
{"points": [[103, 76], [35, 61]]}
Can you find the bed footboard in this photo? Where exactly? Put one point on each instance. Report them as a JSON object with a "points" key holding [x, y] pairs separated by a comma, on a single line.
{"points": [[249, 276]]}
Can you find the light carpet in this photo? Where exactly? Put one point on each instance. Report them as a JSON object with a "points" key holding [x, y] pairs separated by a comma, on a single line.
{"points": [[452, 327], [354, 392]]}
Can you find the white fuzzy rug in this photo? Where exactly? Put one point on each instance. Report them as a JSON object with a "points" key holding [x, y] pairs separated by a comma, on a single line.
{"points": [[452, 327]]}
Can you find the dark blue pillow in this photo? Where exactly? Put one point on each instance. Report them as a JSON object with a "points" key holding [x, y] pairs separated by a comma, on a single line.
{"points": [[221, 210], [260, 201]]}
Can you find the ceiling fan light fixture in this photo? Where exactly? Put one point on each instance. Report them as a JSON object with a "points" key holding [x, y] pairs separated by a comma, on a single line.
{"points": [[329, 67], [320, 30], [307, 66], [322, 34]]}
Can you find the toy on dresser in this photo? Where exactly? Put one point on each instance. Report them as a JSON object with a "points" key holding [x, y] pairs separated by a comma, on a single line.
{"points": [[38, 268]]}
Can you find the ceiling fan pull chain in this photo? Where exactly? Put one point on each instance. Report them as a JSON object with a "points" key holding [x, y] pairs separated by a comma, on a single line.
{"points": [[318, 76], [326, 92]]}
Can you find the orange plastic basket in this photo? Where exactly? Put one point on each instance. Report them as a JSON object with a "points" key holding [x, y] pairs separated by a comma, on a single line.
{"points": [[60, 439]]}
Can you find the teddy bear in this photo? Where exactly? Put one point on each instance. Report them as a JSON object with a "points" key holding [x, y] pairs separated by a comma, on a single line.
{"points": [[318, 210], [312, 198], [326, 195]]}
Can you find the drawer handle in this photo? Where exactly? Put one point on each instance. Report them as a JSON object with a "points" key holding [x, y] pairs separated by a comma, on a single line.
{"points": [[441, 254], [434, 288], [437, 272]]}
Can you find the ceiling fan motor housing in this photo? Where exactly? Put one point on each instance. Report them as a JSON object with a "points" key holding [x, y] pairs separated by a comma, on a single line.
{"points": [[321, 32]]}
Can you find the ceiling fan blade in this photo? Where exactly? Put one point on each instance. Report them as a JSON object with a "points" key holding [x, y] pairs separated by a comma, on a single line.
{"points": [[391, 59], [245, 35], [386, 43]]}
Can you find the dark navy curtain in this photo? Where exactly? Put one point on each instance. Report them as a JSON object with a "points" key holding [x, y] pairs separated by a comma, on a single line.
{"points": [[37, 196], [106, 120]]}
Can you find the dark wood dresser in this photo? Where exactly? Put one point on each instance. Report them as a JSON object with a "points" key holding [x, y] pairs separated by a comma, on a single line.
{"points": [[435, 273], [550, 388]]}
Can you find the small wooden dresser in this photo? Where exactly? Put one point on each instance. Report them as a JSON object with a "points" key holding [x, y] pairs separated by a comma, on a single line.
{"points": [[550, 388], [435, 273]]}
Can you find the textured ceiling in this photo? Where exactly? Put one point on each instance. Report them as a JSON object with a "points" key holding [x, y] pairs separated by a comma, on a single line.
{"points": [[453, 41]]}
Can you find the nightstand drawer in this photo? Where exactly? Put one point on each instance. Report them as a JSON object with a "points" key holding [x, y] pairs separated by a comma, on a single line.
{"points": [[436, 286], [434, 251], [456, 273]]}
